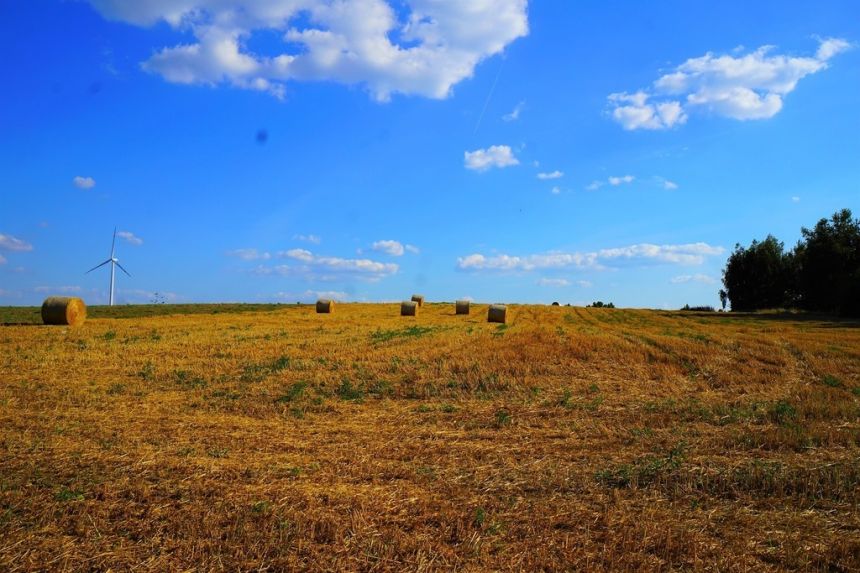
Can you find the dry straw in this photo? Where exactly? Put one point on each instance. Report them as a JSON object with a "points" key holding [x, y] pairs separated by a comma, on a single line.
{"points": [[497, 313], [461, 307], [325, 306], [67, 310], [419, 298], [409, 308]]}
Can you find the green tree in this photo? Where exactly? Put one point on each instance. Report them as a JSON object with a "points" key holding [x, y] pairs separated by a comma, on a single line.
{"points": [[828, 265], [759, 276]]}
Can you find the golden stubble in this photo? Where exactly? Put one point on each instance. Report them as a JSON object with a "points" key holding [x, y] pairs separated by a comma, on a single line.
{"points": [[568, 438]]}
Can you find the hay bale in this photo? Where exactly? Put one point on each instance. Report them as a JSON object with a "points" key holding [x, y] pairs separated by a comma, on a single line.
{"points": [[497, 313], [67, 310], [555, 304], [419, 298], [325, 306], [461, 307], [409, 308]]}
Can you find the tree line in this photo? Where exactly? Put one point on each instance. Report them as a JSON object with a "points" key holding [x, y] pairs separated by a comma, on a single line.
{"points": [[821, 273]]}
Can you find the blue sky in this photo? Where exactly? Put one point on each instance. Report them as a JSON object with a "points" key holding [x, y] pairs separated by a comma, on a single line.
{"points": [[282, 150]]}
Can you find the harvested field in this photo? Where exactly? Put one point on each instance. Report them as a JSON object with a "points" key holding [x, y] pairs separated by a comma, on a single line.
{"points": [[566, 439]]}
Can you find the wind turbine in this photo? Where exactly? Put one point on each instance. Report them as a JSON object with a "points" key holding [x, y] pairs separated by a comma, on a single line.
{"points": [[114, 262]]}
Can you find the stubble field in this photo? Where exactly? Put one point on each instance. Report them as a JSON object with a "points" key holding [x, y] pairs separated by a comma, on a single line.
{"points": [[205, 438]]}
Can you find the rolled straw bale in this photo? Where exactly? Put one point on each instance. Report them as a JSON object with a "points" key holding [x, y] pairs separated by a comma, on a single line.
{"points": [[68, 310], [325, 306], [497, 313], [409, 308], [555, 304], [419, 298], [461, 307]]}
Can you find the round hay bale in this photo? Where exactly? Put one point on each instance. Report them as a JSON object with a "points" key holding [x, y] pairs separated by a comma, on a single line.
{"points": [[555, 304], [497, 313], [461, 307], [325, 306], [419, 298], [409, 308], [66, 310]]}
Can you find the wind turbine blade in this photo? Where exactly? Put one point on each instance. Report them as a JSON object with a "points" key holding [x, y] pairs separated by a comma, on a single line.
{"points": [[113, 243], [123, 270], [97, 266]]}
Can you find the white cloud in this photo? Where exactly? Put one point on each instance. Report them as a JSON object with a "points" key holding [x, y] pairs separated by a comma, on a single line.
{"points": [[795, 199], [2, 260], [130, 237], [684, 254], [313, 239], [58, 289], [553, 282], [616, 181], [249, 254], [742, 87], [412, 249], [556, 190], [669, 185], [699, 278], [494, 156], [829, 47], [10, 243], [420, 47], [393, 248], [84, 182], [551, 175], [633, 111], [313, 295], [317, 267], [515, 113]]}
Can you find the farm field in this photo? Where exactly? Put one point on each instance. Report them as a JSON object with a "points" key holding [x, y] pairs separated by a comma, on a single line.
{"points": [[269, 438]]}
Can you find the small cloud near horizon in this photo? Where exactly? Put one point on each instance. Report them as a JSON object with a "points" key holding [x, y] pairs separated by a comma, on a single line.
{"points": [[84, 182], [499, 156], [130, 237], [551, 175]]}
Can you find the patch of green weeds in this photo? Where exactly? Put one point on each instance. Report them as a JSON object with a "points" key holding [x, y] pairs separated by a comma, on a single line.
{"points": [[294, 392], [346, 391], [480, 517], [217, 452], [503, 418], [380, 389], [66, 494], [782, 412], [644, 471], [147, 372], [188, 380], [409, 332], [226, 394]]}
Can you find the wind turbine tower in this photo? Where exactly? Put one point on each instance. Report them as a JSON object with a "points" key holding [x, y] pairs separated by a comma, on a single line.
{"points": [[114, 262]]}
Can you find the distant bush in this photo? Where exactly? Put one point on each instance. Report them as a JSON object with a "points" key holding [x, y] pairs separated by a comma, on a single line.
{"points": [[698, 308], [600, 304]]}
